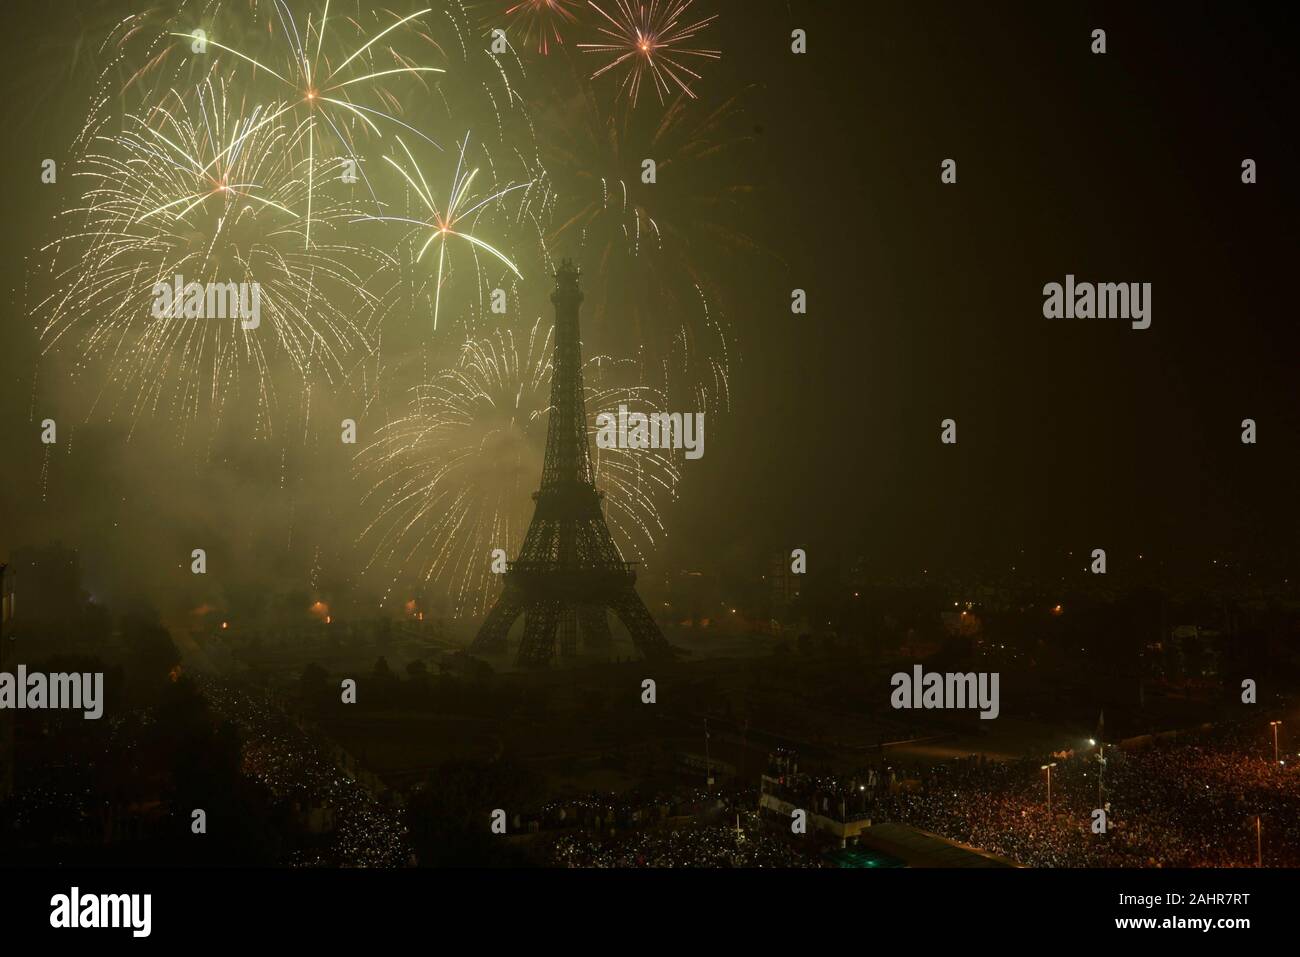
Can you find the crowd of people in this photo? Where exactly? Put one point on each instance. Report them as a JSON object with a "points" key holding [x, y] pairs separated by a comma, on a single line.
{"points": [[608, 812], [277, 752], [743, 842], [1215, 798], [1193, 801]]}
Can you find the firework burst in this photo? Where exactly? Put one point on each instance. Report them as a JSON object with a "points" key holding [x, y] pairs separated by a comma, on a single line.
{"points": [[452, 221], [541, 22], [202, 186], [646, 40], [319, 91], [451, 480]]}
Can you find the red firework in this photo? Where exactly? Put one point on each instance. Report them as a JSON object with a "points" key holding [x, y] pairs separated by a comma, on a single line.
{"points": [[541, 21], [648, 40]]}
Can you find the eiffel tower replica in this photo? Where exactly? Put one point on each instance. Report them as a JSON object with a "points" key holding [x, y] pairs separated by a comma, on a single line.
{"points": [[569, 572]]}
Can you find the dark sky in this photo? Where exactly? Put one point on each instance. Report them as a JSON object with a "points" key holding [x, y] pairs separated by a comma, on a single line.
{"points": [[925, 299]]}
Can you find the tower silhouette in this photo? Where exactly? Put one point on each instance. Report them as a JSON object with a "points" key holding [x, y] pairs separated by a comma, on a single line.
{"points": [[569, 572]]}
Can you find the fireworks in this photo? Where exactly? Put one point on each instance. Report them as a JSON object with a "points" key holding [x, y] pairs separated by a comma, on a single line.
{"points": [[452, 478], [227, 157], [646, 40], [213, 181], [452, 221], [654, 250], [540, 21], [209, 188], [320, 94]]}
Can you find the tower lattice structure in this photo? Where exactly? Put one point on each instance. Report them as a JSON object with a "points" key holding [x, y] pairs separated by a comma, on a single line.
{"points": [[569, 573]]}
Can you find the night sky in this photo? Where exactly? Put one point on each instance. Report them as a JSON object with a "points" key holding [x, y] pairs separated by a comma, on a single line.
{"points": [[926, 299], [925, 302]]}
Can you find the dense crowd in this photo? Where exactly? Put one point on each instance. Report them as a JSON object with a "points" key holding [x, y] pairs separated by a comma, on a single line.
{"points": [[1188, 802], [744, 842], [1191, 801], [285, 758], [604, 812]]}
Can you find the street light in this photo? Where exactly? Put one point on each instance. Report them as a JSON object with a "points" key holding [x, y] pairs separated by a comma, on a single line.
{"points": [[1048, 769], [1274, 725]]}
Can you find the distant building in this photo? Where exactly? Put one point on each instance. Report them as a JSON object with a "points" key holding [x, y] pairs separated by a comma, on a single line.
{"points": [[827, 813], [838, 811], [783, 587], [783, 584]]}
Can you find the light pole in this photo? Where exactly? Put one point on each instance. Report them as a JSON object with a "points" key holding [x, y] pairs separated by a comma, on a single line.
{"points": [[1273, 725], [1048, 769], [1259, 847]]}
